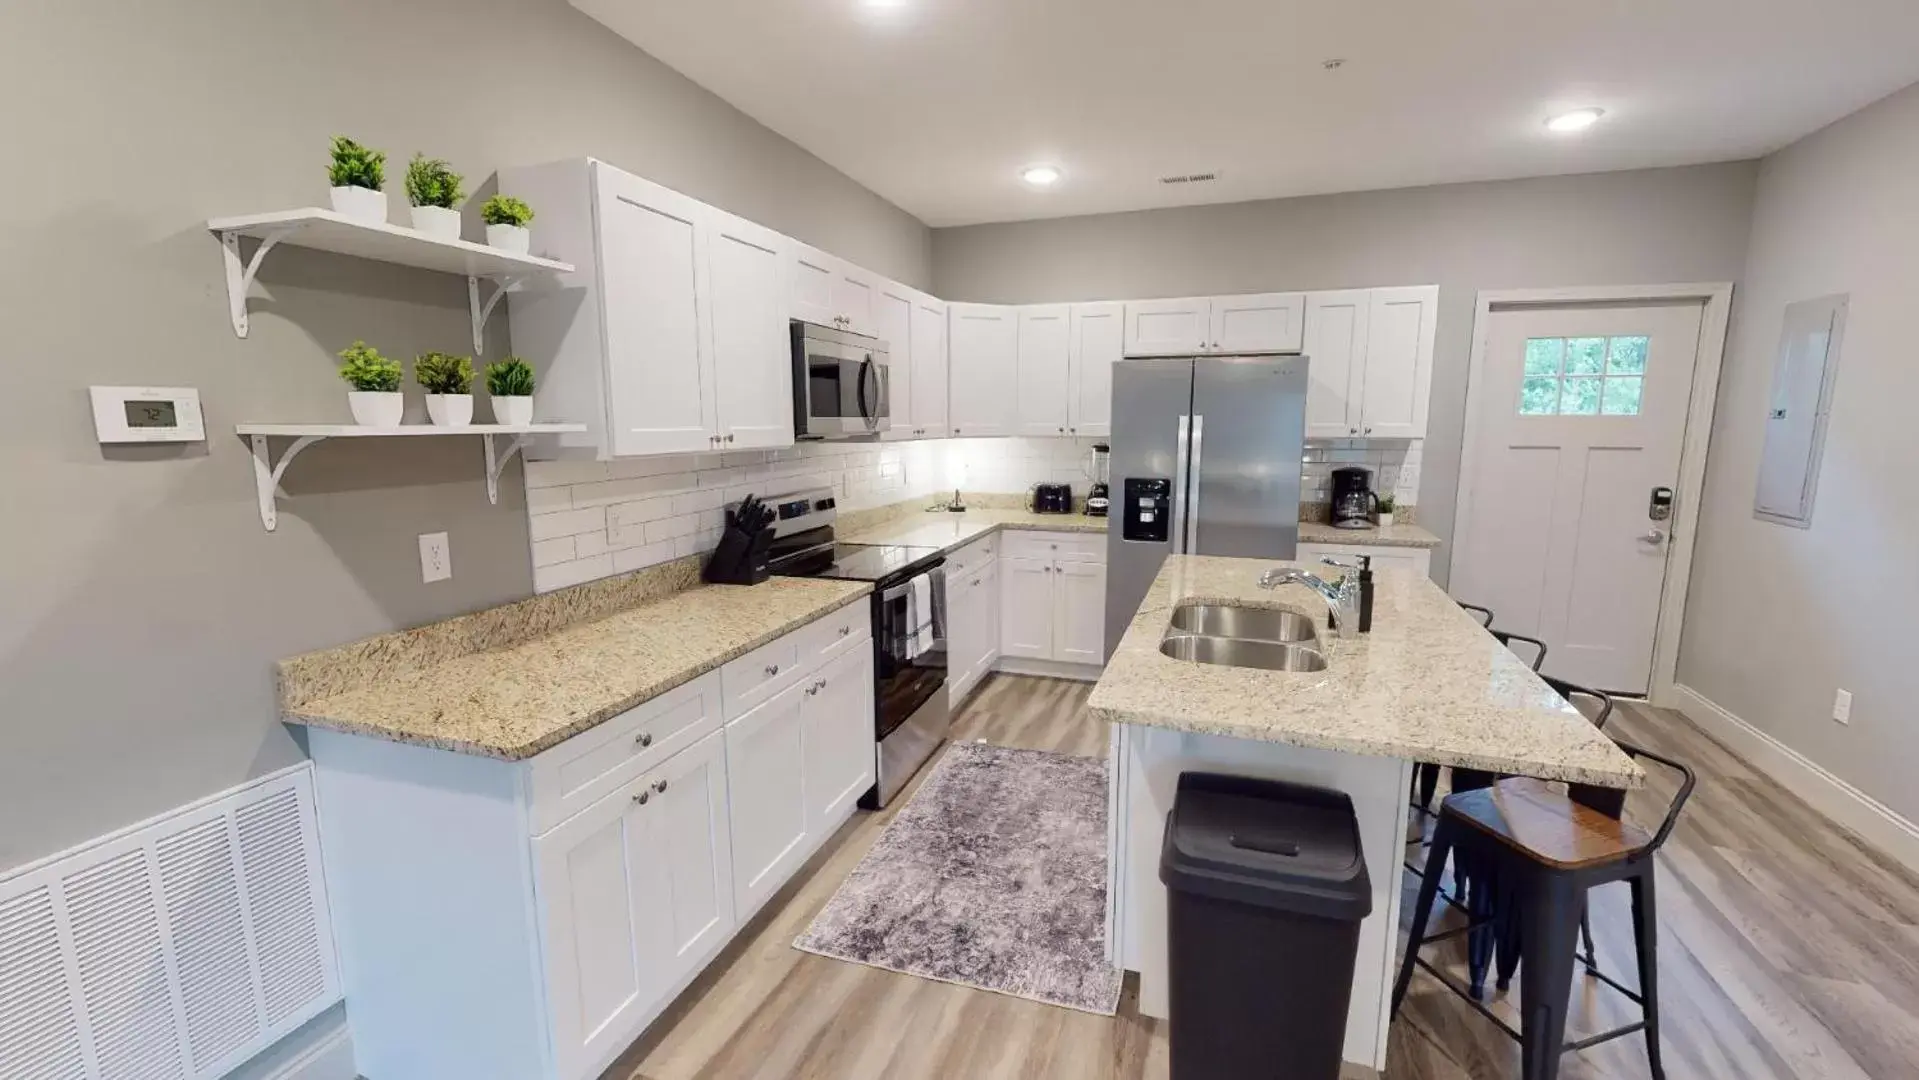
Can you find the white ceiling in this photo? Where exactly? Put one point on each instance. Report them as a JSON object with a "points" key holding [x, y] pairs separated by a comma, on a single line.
{"points": [[937, 104]]}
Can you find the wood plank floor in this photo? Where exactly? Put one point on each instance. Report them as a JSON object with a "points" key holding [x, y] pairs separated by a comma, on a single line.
{"points": [[1787, 950]]}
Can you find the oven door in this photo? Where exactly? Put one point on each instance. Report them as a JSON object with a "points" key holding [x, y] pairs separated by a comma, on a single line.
{"points": [[909, 639], [843, 390]]}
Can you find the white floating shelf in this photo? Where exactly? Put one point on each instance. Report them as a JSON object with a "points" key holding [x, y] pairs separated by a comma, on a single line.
{"points": [[267, 472], [324, 230]]}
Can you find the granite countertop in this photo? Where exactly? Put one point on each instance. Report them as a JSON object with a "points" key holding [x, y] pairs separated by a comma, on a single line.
{"points": [[1407, 536], [1427, 684], [949, 531], [515, 701]]}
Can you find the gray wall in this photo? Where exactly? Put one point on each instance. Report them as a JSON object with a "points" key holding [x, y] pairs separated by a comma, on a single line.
{"points": [[1778, 618], [1656, 226], [141, 603]]}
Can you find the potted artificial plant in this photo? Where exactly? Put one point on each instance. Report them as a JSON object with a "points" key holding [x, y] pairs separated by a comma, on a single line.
{"points": [[358, 176], [448, 382], [506, 219], [433, 188], [1385, 510], [375, 398], [510, 384]]}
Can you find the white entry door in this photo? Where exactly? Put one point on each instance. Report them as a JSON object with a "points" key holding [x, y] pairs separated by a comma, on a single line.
{"points": [[1576, 418]]}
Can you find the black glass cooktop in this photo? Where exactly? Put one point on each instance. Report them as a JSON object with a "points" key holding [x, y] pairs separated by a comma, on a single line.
{"points": [[859, 562]]}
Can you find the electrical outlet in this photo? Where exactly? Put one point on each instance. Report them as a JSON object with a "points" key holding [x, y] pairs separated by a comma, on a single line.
{"points": [[1842, 706], [436, 557]]}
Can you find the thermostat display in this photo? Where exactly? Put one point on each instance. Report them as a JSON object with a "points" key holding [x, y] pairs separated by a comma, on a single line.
{"points": [[129, 414]]}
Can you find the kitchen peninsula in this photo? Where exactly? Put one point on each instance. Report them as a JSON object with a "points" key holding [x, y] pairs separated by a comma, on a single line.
{"points": [[1427, 684]]}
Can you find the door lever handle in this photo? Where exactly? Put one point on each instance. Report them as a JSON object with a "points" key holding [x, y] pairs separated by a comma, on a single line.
{"points": [[1653, 537]]}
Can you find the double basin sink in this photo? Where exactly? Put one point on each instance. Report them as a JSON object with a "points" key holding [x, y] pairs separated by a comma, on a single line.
{"points": [[1243, 637]]}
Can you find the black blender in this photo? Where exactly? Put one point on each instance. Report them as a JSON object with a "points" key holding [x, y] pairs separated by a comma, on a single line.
{"points": [[1099, 497]]}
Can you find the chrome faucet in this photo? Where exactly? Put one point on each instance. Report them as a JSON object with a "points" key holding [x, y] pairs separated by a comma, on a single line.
{"points": [[1342, 596]]}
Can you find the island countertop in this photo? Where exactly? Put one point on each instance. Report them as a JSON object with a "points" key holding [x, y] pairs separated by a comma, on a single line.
{"points": [[1426, 684]]}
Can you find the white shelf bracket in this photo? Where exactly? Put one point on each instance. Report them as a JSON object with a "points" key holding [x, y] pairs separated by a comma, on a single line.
{"points": [[266, 473], [240, 274], [496, 463], [482, 312]]}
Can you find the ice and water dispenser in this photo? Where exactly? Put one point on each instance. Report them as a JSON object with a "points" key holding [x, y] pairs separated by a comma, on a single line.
{"points": [[1147, 510]]}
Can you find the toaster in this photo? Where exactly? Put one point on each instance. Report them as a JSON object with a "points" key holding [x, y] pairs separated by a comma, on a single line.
{"points": [[1052, 499]]}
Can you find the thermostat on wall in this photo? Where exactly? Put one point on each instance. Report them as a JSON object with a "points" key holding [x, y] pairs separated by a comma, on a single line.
{"points": [[133, 414]]}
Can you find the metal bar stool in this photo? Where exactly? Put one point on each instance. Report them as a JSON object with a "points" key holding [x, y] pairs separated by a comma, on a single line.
{"points": [[1544, 850]]}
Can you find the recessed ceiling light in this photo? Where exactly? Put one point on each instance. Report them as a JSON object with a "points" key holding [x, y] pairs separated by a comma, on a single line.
{"points": [[1577, 120], [1040, 175]]}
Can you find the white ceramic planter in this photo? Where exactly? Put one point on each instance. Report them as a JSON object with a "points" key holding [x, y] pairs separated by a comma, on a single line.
{"points": [[376, 408], [450, 410], [1385, 520], [439, 221], [517, 239], [360, 204], [516, 410]]}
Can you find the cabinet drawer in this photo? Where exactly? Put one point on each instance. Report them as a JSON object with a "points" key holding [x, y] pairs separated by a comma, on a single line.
{"points": [[757, 676], [835, 633], [1064, 547], [973, 556], [571, 776]]}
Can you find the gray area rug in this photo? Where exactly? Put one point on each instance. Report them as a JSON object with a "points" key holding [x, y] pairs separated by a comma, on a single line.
{"points": [[993, 876]]}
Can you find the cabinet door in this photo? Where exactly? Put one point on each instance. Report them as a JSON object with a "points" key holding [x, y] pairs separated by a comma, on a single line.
{"points": [[964, 634], [1079, 612], [1045, 348], [598, 940], [765, 752], [853, 292], [689, 869], [1099, 334], [810, 285], [1336, 361], [929, 368], [893, 323], [1263, 323], [988, 650], [841, 744], [983, 361], [1026, 608], [1168, 327], [653, 268], [752, 352], [1399, 362]]}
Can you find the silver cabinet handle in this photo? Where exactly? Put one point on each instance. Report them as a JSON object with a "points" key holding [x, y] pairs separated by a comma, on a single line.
{"points": [[645, 739], [1369, 431], [642, 798], [772, 670], [660, 788], [729, 436], [813, 691]]}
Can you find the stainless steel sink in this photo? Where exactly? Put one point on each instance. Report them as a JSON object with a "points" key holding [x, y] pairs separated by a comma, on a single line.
{"points": [[1240, 652], [1248, 624]]}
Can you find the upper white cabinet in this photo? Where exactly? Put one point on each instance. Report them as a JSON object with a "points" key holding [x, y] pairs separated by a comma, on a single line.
{"points": [[913, 325], [671, 337], [1371, 362], [893, 323], [1099, 332], [1045, 340], [1225, 325], [832, 292], [983, 369], [929, 368]]}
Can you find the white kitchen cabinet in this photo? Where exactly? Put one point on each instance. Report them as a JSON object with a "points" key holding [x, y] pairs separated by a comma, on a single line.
{"points": [[1079, 612], [1260, 323], [1099, 335], [929, 368], [1053, 598], [765, 749], [811, 277], [853, 293], [1335, 346], [1418, 560], [1045, 351], [893, 306], [839, 753], [1179, 327], [1399, 362], [747, 315], [974, 628], [1026, 608], [983, 369], [692, 866]]}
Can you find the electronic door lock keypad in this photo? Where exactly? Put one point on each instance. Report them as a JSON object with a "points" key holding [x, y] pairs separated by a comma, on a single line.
{"points": [[1660, 507]]}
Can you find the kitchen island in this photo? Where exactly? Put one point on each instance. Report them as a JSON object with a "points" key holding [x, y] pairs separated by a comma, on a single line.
{"points": [[1427, 684]]}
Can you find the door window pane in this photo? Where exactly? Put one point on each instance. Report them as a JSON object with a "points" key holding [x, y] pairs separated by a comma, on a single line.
{"points": [[1586, 356], [1539, 397], [1542, 355], [1580, 397], [1628, 356], [1621, 397], [1583, 376]]}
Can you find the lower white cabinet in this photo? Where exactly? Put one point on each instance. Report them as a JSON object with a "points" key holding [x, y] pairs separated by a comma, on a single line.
{"points": [[1418, 560], [1079, 612], [1026, 608], [769, 813], [973, 638], [840, 751], [1053, 598]]}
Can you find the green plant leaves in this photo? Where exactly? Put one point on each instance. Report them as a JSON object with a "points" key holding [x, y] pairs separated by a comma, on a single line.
{"points": [[506, 210], [366, 369], [432, 182], [356, 166], [443, 373], [511, 377]]}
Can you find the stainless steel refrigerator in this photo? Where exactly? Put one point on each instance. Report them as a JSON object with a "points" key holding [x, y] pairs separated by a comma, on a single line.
{"points": [[1206, 456]]}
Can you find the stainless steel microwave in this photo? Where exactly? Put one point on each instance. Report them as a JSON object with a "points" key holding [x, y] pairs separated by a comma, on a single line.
{"points": [[840, 383]]}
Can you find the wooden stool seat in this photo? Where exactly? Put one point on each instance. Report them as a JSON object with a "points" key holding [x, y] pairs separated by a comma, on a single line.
{"points": [[1543, 823]]}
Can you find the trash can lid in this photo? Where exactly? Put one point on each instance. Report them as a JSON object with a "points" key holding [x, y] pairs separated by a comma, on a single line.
{"points": [[1268, 843]]}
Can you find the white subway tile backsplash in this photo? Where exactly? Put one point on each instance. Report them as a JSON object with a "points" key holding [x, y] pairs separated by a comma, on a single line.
{"points": [[639, 558], [567, 523], [560, 575], [557, 550], [671, 528]]}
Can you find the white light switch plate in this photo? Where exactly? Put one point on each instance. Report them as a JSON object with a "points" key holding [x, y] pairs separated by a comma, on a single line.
{"points": [[436, 557], [1842, 706]]}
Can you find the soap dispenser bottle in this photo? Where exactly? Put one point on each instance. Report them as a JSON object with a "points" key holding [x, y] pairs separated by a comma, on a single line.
{"points": [[1365, 594]]}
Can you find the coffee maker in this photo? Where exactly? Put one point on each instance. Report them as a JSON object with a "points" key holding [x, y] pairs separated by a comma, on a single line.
{"points": [[1354, 504], [1099, 496]]}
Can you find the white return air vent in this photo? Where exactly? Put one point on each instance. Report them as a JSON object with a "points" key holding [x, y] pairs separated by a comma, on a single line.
{"points": [[174, 950]]}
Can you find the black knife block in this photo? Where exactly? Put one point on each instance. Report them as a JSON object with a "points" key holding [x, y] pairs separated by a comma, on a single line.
{"points": [[741, 559]]}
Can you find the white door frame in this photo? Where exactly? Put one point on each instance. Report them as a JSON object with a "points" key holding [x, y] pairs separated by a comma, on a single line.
{"points": [[1717, 298]]}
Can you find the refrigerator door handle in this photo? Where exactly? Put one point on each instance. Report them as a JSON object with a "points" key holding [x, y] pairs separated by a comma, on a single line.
{"points": [[1179, 485], [1192, 500]]}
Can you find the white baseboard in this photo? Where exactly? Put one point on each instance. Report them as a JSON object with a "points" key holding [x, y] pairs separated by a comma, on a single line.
{"points": [[328, 1055], [1873, 821], [1047, 669]]}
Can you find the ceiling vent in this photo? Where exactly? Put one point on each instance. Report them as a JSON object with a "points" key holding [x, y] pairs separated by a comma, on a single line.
{"points": [[1190, 178]]}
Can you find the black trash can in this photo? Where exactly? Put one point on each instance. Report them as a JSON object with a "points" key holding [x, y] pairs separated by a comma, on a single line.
{"points": [[1266, 886]]}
